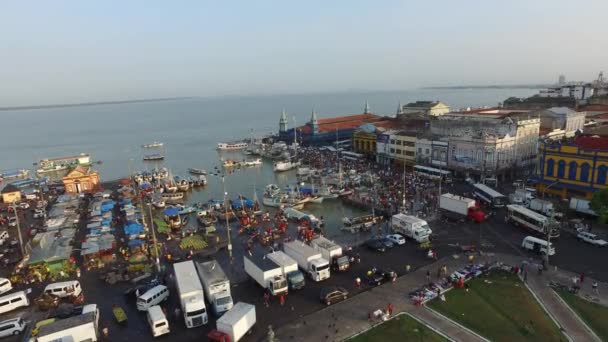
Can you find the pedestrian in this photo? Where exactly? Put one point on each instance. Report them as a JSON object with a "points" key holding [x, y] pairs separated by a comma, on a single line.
{"points": [[266, 299], [407, 268], [105, 332], [428, 276], [594, 286], [582, 277], [176, 314], [540, 269], [390, 309], [358, 282], [525, 275], [282, 299]]}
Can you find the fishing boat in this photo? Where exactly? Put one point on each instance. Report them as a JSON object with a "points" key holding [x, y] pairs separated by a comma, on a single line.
{"points": [[254, 162], [303, 172], [172, 196], [232, 146], [186, 210], [354, 224], [153, 145], [63, 163], [272, 201], [182, 184], [19, 173], [153, 157], [286, 165], [161, 173], [158, 203], [343, 192], [326, 192], [272, 190], [315, 199], [195, 171], [199, 180], [230, 163]]}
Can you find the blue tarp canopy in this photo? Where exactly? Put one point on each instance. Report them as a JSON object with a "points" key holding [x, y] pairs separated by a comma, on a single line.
{"points": [[107, 206], [145, 186], [306, 191], [246, 203], [136, 243], [171, 211], [133, 228]]}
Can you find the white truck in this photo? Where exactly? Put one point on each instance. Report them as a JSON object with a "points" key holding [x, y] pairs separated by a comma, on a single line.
{"points": [[266, 273], [308, 259], [191, 295], [460, 208], [582, 206], [411, 227], [331, 251], [235, 323], [76, 328], [544, 207], [215, 285], [294, 276]]}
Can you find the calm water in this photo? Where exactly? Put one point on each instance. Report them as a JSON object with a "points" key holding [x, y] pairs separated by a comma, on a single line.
{"points": [[191, 128]]}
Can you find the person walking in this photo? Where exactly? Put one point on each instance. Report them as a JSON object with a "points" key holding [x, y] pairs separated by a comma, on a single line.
{"points": [[282, 299], [582, 277], [594, 286], [428, 276], [266, 299], [358, 282], [390, 309], [407, 268]]}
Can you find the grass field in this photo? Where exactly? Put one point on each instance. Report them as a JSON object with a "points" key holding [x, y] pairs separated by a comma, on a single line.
{"points": [[400, 328], [595, 315], [500, 308]]}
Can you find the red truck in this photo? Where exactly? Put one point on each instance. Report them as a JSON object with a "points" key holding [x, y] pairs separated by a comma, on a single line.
{"points": [[458, 208]]}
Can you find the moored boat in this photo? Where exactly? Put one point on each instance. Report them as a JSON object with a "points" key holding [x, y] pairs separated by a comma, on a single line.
{"points": [[172, 196], [254, 162], [158, 203], [153, 145], [153, 157], [230, 163], [232, 146], [287, 165], [196, 171], [63, 163]]}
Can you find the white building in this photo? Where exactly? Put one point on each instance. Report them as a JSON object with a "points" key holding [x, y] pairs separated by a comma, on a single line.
{"points": [[429, 108], [562, 118]]}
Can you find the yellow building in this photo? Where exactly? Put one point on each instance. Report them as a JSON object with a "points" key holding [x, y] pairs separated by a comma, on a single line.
{"points": [[11, 194], [365, 142], [81, 179], [573, 169]]}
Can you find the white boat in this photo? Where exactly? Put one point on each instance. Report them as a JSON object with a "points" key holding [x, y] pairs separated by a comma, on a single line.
{"points": [[325, 192], [153, 157], [158, 203], [230, 163], [303, 172], [232, 146], [273, 202], [172, 196], [152, 145], [196, 171], [187, 210], [254, 162], [63, 163], [272, 189], [281, 166], [182, 184]]}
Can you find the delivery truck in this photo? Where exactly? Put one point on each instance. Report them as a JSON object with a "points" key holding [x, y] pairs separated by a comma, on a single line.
{"points": [[309, 260], [544, 207], [76, 328], [234, 324], [332, 252], [458, 208], [266, 273], [411, 227], [215, 285], [582, 206], [191, 295], [294, 276]]}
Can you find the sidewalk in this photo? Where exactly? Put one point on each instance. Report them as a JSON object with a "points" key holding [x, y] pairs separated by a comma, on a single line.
{"points": [[343, 320]]}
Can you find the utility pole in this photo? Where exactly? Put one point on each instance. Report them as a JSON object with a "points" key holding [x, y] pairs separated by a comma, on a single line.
{"points": [[149, 204], [227, 221], [549, 228], [18, 230]]}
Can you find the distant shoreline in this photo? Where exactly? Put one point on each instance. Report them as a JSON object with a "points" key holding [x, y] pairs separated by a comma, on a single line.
{"points": [[514, 86], [85, 104]]}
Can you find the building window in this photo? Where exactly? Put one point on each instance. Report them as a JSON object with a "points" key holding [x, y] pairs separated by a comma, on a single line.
{"points": [[398, 151], [550, 165], [427, 151], [585, 172], [392, 141], [409, 153], [572, 170], [601, 174], [420, 150], [561, 169], [392, 150], [399, 142]]}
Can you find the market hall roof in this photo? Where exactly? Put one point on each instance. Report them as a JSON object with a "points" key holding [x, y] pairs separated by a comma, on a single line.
{"points": [[9, 188], [341, 123]]}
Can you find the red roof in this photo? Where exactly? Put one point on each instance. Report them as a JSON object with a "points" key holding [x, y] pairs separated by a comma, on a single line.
{"points": [[342, 122], [603, 116], [592, 143], [594, 108]]}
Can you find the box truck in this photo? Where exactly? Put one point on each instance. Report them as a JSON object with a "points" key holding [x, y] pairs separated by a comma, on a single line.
{"points": [[332, 252], [460, 208], [582, 206], [309, 260], [234, 324], [266, 273], [76, 328], [215, 285], [191, 295], [544, 207], [411, 227], [294, 276]]}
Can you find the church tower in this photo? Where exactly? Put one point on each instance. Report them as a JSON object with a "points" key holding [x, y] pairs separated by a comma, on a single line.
{"points": [[283, 122], [314, 123], [399, 109], [366, 109]]}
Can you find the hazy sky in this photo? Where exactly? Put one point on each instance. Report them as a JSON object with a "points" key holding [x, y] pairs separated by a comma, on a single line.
{"points": [[72, 51]]}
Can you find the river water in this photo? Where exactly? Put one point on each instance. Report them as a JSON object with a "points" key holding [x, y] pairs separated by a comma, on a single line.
{"points": [[191, 128]]}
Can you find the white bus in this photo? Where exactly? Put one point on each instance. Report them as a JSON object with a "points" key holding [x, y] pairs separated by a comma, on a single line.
{"points": [[351, 155], [433, 173], [530, 220], [489, 195]]}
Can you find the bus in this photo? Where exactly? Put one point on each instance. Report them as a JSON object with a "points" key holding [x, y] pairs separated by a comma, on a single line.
{"points": [[532, 221], [489, 195], [433, 173], [351, 155]]}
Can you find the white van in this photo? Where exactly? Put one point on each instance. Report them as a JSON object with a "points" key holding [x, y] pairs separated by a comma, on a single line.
{"points": [[64, 289], [537, 245], [157, 320], [3, 237], [152, 297], [11, 327], [5, 285], [13, 301]]}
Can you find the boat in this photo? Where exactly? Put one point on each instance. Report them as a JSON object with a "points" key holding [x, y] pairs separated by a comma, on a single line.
{"points": [[158, 203], [161, 173], [230, 163], [182, 184], [316, 199], [185, 210], [153, 145], [343, 192], [19, 173], [303, 172], [199, 180], [195, 171], [272, 190], [63, 163], [232, 146], [254, 162], [355, 224], [326, 192], [24, 183], [272, 201], [172, 196], [287, 165], [153, 157]]}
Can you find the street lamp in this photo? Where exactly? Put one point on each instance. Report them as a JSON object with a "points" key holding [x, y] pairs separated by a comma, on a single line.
{"points": [[227, 221], [18, 230], [550, 228], [149, 204]]}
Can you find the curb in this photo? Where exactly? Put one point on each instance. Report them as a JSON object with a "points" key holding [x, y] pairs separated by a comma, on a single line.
{"points": [[439, 332], [576, 315], [457, 324], [542, 305]]}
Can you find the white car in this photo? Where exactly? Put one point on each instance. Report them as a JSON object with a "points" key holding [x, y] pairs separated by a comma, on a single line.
{"points": [[39, 213], [24, 205], [12, 221], [591, 238], [396, 239], [12, 327]]}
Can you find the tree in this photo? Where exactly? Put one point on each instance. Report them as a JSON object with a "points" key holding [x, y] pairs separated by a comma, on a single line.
{"points": [[599, 204]]}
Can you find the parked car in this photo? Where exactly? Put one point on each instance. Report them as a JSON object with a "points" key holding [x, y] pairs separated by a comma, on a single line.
{"points": [[375, 245], [396, 239], [12, 221], [387, 242], [39, 213], [12, 327], [379, 277], [591, 238], [333, 294], [24, 205]]}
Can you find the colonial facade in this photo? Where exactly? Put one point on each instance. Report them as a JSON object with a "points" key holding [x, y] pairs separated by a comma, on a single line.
{"points": [[575, 168], [402, 147], [559, 119], [81, 179], [11, 194], [429, 108]]}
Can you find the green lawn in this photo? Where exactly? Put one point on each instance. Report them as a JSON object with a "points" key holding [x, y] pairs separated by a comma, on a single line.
{"points": [[400, 328], [501, 309], [595, 315]]}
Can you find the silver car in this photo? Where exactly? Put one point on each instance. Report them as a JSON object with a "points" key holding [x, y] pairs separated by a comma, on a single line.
{"points": [[591, 238]]}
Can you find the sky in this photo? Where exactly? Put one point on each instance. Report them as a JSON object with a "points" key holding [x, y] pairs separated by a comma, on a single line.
{"points": [[77, 51]]}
